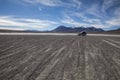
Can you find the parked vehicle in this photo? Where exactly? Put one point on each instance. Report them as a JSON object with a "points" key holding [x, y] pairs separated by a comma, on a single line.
{"points": [[82, 33]]}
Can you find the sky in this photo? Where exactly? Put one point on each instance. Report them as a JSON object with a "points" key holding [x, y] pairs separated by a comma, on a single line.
{"points": [[49, 14]]}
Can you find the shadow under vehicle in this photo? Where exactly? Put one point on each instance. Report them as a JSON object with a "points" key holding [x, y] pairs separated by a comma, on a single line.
{"points": [[83, 33]]}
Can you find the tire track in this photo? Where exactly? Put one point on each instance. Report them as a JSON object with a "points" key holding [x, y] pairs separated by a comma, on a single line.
{"points": [[112, 44], [60, 58], [59, 70], [44, 62]]}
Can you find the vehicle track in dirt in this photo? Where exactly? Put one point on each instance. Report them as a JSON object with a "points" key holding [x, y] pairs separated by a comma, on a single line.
{"points": [[52, 57]]}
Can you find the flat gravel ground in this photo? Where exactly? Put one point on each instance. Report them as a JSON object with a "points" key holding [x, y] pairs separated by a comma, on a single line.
{"points": [[43, 57]]}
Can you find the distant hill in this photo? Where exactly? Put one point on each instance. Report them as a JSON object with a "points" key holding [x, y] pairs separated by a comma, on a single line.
{"points": [[76, 29], [4, 30], [117, 31], [12, 31]]}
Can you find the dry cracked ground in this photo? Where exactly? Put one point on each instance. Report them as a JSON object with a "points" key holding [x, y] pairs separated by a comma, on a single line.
{"points": [[40, 57]]}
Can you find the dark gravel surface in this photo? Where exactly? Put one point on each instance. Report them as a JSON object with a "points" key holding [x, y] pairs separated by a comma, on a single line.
{"points": [[38, 57]]}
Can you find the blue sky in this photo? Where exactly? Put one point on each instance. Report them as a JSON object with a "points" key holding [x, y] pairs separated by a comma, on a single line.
{"points": [[48, 14]]}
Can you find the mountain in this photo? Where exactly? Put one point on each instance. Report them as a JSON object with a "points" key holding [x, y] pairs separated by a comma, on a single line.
{"points": [[93, 29], [76, 29], [62, 29]]}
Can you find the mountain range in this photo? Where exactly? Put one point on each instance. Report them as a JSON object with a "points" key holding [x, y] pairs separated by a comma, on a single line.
{"points": [[77, 29], [64, 29]]}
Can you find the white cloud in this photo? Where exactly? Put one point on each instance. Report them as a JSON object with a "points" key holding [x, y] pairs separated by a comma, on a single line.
{"points": [[114, 22], [89, 22], [56, 3], [79, 24], [68, 20], [99, 25], [29, 1], [86, 19], [77, 3], [107, 4], [72, 22], [50, 2], [22, 23], [94, 10], [39, 8], [117, 12], [6, 22]]}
